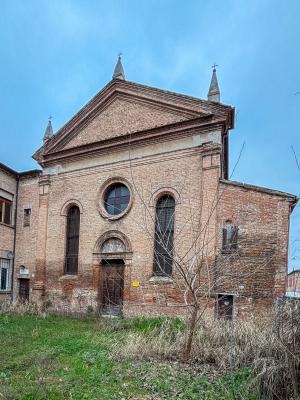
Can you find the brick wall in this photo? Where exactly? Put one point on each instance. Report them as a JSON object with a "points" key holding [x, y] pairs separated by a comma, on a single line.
{"points": [[178, 150], [254, 274], [180, 172], [8, 184], [26, 236], [293, 281], [256, 271]]}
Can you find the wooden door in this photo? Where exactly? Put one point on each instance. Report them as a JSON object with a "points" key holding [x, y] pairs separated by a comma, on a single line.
{"points": [[112, 286], [225, 306], [24, 289]]}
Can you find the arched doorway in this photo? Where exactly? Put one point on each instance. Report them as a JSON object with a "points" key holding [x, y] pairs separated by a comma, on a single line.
{"points": [[112, 276]]}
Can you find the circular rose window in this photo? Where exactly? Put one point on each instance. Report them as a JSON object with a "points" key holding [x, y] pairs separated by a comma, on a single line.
{"points": [[116, 198]]}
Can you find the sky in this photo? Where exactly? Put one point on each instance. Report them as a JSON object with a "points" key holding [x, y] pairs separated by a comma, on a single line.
{"points": [[57, 54]]}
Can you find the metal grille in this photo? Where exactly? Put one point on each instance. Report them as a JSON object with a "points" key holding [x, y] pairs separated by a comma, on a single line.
{"points": [[72, 246], [164, 236], [225, 306], [4, 273]]}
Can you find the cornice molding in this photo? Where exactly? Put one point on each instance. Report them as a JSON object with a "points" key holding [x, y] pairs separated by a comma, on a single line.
{"points": [[192, 108], [155, 135], [211, 148]]}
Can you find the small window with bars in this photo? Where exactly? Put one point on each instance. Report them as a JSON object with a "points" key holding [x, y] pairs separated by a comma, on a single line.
{"points": [[4, 274], [225, 306], [27, 217], [5, 211]]}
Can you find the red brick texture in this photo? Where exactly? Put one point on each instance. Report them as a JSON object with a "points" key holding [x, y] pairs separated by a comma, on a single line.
{"points": [[257, 270], [8, 184], [293, 281], [157, 143]]}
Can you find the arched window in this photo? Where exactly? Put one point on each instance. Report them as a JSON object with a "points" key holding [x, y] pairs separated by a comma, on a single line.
{"points": [[72, 241], [230, 236], [164, 236]]}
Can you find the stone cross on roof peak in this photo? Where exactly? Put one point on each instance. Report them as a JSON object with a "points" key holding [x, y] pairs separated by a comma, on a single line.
{"points": [[119, 71], [214, 91], [49, 130]]}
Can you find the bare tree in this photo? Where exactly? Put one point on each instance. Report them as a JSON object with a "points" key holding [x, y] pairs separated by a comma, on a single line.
{"points": [[187, 252]]}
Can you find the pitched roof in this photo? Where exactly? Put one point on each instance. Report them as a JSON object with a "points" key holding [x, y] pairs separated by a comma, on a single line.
{"points": [[294, 199], [19, 174], [175, 103], [295, 271]]}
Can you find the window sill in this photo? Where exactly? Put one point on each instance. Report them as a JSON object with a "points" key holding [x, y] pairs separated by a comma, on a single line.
{"points": [[68, 277], [6, 291], [7, 225], [160, 279], [229, 251], [23, 276]]}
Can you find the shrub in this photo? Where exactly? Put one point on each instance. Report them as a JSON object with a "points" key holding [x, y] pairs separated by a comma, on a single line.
{"points": [[22, 308], [270, 352]]}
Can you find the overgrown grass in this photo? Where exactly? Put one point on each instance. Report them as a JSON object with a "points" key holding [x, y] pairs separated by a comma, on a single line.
{"points": [[47, 357], [268, 351]]}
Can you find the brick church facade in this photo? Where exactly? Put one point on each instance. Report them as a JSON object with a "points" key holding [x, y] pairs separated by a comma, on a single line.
{"points": [[133, 212]]}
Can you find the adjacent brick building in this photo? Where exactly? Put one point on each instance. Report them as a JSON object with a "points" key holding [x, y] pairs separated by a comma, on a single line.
{"points": [[293, 284], [133, 212], [18, 195]]}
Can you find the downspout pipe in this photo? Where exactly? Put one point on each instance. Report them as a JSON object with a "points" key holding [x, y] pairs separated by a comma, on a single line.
{"points": [[15, 239]]}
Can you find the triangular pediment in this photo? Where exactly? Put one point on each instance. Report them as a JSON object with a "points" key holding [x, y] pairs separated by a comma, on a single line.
{"points": [[123, 116], [122, 109]]}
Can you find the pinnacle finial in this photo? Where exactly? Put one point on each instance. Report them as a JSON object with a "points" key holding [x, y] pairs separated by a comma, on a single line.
{"points": [[49, 130], [214, 91], [119, 71]]}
